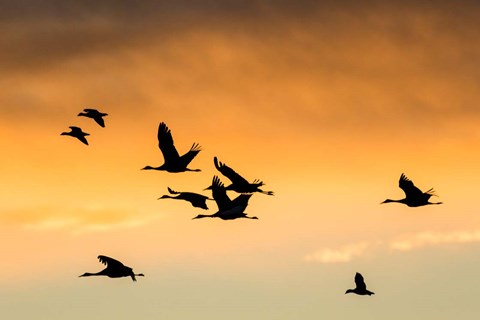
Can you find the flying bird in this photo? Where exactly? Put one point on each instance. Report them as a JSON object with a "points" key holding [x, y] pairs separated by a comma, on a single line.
{"points": [[77, 132], [114, 269], [95, 115], [361, 287], [239, 184], [414, 197], [227, 209], [173, 162], [197, 200]]}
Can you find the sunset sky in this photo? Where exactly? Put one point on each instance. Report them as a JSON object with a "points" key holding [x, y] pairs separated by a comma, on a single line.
{"points": [[326, 103]]}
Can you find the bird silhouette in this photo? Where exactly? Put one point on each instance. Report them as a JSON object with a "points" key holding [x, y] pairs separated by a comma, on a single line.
{"points": [[77, 132], [361, 287], [114, 269], [197, 200], [239, 184], [414, 197], [227, 209], [173, 162], [95, 115]]}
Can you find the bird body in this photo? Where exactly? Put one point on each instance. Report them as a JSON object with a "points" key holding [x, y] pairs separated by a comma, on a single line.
{"points": [[239, 184], [227, 209], [197, 200], [77, 132], [414, 197], [361, 287], [173, 162], [114, 269], [95, 115]]}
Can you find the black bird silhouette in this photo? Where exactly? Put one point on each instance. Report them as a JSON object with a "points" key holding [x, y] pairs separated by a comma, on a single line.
{"points": [[172, 160], [239, 184], [197, 200], [361, 287], [77, 132], [114, 269], [414, 197], [95, 115], [227, 209]]}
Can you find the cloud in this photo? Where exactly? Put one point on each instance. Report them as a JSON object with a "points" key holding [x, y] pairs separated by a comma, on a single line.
{"points": [[343, 254], [429, 238], [417, 241], [77, 220]]}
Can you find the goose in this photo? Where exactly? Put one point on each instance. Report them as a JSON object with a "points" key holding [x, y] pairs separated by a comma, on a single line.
{"points": [[414, 197], [95, 115], [77, 132], [239, 184], [361, 287], [197, 200], [173, 162], [227, 209], [114, 269]]}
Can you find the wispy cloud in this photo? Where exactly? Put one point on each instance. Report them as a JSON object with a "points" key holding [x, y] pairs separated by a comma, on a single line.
{"points": [[337, 255], [429, 238], [76, 220], [416, 241]]}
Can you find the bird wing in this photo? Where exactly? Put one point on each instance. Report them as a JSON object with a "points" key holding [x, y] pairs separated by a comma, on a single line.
{"points": [[165, 143], [408, 187], [99, 120], [172, 191], [241, 201], [110, 262], [91, 110], [229, 173], [360, 282], [188, 157], [219, 194]]}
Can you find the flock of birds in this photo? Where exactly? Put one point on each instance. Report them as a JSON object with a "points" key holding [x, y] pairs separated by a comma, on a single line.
{"points": [[228, 209]]}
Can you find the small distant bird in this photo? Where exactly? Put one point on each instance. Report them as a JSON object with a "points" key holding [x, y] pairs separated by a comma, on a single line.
{"points": [[197, 200], [361, 287], [114, 269], [414, 197], [77, 132], [239, 184], [173, 162], [95, 115], [227, 209]]}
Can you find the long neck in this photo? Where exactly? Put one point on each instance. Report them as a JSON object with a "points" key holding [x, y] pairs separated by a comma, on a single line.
{"points": [[349, 291], [205, 216], [399, 201], [153, 168], [88, 274], [196, 170]]}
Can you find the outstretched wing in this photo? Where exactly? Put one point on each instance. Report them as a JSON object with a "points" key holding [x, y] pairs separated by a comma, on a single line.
{"points": [[165, 143], [409, 188], [360, 282], [91, 110], [229, 173], [188, 157], [98, 119], [172, 191], [241, 201], [219, 194], [110, 262]]}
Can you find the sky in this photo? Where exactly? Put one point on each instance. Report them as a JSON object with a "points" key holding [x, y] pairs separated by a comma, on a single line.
{"points": [[327, 103]]}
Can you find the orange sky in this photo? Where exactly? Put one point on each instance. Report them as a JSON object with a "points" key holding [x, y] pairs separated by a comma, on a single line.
{"points": [[328, 104]]}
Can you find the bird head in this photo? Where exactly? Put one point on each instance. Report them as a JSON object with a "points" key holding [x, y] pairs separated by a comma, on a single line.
{"points": [[387, 201], [348, 291]]}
